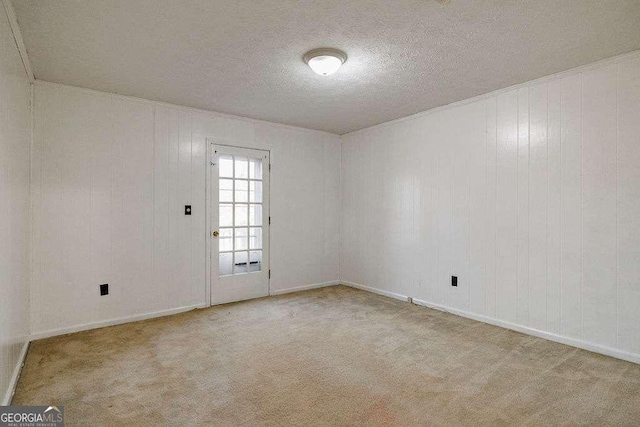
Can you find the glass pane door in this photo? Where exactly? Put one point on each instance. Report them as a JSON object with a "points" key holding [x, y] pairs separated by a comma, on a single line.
{"points": [[240, 208], [239, 223]]}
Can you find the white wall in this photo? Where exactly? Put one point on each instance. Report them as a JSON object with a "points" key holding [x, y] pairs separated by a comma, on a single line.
{"points": [[15, 137], [531, 196], [110, 178]]}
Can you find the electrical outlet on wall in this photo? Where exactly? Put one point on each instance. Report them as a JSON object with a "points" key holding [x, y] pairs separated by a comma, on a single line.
{"points": [[104, 289], [454, 281]]}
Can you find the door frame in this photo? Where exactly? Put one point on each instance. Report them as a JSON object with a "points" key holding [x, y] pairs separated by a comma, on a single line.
{"points": [[210, 142]]}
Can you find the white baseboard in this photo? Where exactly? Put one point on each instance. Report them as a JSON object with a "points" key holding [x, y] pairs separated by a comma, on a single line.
{"points": [[584, 345], [16, 375], [305, 287], [128, 319], [375, 290], [112, 322]]}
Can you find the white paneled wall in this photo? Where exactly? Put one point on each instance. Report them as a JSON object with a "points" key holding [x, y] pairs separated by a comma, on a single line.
{"points": [[15, 137], [110, 179], [530, 195]]}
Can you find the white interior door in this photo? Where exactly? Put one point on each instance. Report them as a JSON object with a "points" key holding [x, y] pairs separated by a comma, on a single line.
{"points": [[239, 223]]}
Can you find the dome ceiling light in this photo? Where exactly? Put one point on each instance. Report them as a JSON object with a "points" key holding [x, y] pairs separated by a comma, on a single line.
{"points": [[325, 61]]}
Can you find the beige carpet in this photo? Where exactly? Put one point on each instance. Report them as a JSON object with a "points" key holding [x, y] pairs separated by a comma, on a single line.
{"points": [[333, 356]]}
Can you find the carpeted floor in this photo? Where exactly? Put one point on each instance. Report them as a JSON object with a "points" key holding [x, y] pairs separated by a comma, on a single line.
{"points": [[332, 356]]}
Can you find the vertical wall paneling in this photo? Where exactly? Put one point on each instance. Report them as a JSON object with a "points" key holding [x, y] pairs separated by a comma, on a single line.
{"points": [[507, 207], [184, 250], [554, 198], [628, 205], [461, 141], [116, 173], [15, 136], [522, 292], [175, 209], [198, 230], [445, 213], [538, 188], [47, 104], [76, 200], [599, 205], [490, 210], [529, 195], [161, 250], [478, 247], [571, 207]]}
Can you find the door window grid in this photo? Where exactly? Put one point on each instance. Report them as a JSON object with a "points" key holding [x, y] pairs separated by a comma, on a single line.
{"points": [[240, 222]]}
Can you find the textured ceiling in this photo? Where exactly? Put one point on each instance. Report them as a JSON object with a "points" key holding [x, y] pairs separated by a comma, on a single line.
{"points": [[243, 57]]}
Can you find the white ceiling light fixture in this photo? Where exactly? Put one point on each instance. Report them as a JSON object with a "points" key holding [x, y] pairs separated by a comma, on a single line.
{"points": [[325, 61]]}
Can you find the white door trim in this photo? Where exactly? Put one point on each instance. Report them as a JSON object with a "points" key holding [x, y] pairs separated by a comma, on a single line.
{"points": [[210, 142]]}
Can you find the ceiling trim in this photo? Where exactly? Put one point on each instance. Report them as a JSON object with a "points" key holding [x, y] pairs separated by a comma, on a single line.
{"points": [[45, 83], [17, 36], [613, 60]]}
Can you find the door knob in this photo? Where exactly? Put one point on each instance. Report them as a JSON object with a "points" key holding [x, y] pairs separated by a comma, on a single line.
{"points": [[215, 233]]}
